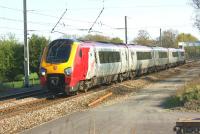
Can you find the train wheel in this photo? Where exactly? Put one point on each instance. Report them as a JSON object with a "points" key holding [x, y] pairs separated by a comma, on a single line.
{"points": [[74, 93]]}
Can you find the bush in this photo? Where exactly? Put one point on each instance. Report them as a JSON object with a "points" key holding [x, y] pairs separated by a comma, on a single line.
{"points": [[33, 76], [19, 77], [187, 97], [174, 101], [191, 95]]}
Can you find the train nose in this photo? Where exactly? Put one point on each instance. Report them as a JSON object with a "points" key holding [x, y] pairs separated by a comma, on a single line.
{"points": [[56, 82]]}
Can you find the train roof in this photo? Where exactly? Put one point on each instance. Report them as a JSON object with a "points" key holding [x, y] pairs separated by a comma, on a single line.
{"points": [[140, 47], [160, 48], [118, 45], [181, 50], [173, 49], [101, 44]]}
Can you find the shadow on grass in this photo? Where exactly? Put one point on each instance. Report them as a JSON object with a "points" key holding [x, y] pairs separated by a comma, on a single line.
{"points": [[171, 102]]}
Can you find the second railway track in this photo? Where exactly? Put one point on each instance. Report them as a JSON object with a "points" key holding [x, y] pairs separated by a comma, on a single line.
{"points": [[21, 95], [41, 103]]}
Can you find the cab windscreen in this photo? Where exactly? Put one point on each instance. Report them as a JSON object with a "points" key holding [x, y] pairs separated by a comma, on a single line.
{"points": [[59, 51]]}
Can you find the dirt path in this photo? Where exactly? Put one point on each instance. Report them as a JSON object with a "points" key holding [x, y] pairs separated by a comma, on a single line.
{"points": [[141, 114]]}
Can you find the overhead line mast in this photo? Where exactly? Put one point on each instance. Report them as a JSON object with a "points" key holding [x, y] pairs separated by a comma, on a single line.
{"points": [[126, 37], [26, 47]]}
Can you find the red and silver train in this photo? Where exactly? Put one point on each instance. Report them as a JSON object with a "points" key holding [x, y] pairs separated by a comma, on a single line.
{"points": [[68, 65]]}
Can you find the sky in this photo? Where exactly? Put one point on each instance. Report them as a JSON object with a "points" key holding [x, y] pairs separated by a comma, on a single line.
{"points": [[149, 15]]}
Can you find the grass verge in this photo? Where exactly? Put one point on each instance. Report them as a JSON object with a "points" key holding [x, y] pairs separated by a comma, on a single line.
{"points": [[187, 98], [33, 80]]}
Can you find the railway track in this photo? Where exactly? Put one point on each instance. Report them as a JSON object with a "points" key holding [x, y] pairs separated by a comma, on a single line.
{"points": [[21, 95], [43, 102]]}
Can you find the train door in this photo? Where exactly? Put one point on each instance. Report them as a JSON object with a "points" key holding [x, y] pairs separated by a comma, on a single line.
{"points": [[124, 60], [91, 63], [84, 60]]}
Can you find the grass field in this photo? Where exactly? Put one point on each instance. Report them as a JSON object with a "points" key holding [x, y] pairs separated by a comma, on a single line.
{"points": [[18, 84], [33, 80], [187, 97]]}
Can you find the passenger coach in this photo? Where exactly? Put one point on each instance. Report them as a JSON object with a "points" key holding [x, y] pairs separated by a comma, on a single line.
{"points": [[69, 65]]}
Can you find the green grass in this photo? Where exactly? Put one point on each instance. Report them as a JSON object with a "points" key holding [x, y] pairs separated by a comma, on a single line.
{"points": [[187, 96], [33, 80], [18, 84]]}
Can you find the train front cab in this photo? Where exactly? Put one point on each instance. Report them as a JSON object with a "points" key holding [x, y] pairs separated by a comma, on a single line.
{"points": [[62, 66]]}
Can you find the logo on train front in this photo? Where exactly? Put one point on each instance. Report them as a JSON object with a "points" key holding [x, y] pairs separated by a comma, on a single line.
{"points": [[55, 67]]}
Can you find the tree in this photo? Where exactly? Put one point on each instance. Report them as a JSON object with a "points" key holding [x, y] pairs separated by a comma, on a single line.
{"points": [[184, 37], [11, 58], [116, 40], [101, 38], [169, 39], [96, 37], [143, 38], [71, 36], [36, 46], [196, 5]]}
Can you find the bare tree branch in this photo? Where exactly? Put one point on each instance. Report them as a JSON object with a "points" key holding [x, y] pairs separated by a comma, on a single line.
{"points": [[196, 4]]}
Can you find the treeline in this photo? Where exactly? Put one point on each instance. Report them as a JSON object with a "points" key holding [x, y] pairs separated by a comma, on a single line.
{"points": [[12, 51], [12, 56], [11, 59], [192, 52], [169, 38]]}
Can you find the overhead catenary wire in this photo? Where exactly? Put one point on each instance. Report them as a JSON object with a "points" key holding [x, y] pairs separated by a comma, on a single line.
{"points": [[110, 27], [52, 16], [107, 7], [96, 20], [17, 20], [59, 20], [84, 21]]}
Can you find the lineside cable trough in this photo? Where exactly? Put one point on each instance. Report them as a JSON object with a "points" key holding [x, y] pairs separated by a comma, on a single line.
{"points": [[187, 126], [100, 99]]}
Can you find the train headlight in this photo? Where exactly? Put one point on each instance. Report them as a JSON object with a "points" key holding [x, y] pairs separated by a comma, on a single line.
{"points": [[43, 71], [68, 71]]}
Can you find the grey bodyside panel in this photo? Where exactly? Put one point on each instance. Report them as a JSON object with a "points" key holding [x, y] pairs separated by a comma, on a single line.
{"points": [[104, 69]]}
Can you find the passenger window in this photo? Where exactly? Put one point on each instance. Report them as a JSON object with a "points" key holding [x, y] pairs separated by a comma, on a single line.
{"points": [[144, 55], [162, 54], [175, 54], [109, 57]]}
